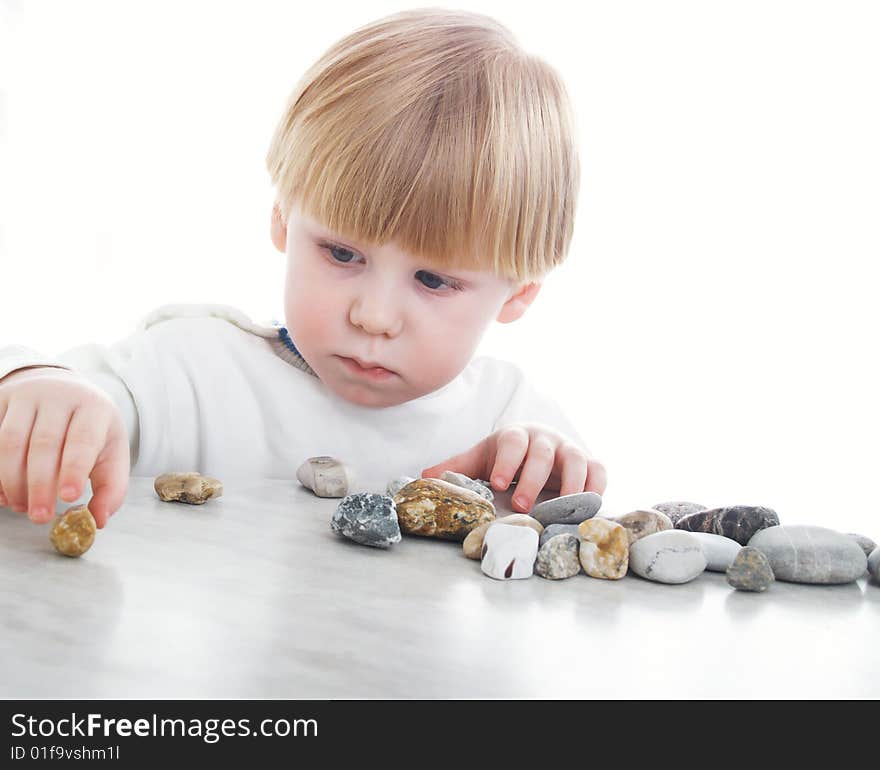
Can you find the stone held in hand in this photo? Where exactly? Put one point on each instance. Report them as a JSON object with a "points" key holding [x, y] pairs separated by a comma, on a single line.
{"points": [[436, 508], [750, 571], [188, 487], [552, 530], [676, 510], [508, 552], [719, 551], [604, 548], [642, 522], [809, 554], [325, 476], [73, 533], [672, 556], [473, 543], [459, 479], [368, 519], [559, 558], [396, 484], [568, 509], [738, 522]]}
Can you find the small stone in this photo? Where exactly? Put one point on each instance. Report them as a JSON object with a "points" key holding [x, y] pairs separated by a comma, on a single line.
{"points": [[558, 529], [473, 543], [190, 487], [874, 563], [568, 509], [436, 508], [738, 522], [866, 543], [325, 476], [671, 556], [73, 532], [808, 554], [719, 551], [459, 479], [677, 510], [368, 519], [642, 522], [395, 485], [750, 571], [509, 552], [604, 549], [558, 558]]}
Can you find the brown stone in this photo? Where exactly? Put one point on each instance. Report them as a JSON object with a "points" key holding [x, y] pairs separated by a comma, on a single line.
{"points": [[436, 508], [192, 488], [73, 532], [604, 549], [643, 522], [473, 543]]}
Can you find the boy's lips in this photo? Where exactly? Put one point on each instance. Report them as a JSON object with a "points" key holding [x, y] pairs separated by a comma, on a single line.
{"points": [[369, 369]]}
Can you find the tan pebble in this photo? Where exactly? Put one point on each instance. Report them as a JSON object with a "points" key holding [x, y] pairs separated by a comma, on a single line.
{"points": [[643, 522], [436, 508], [604, 549], [189, 487], [473, 543], [73, 532]]}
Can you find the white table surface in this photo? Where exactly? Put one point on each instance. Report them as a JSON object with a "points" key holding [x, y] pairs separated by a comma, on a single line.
{"points": [[253, 596]]}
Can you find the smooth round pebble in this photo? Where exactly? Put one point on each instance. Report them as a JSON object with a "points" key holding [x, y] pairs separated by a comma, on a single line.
{"points": [[874, 563], [671, 556], [568, 509], [558, 558], [738, 522], [719, 551], [867, 545], [750, 571], [459, 479], [642, 522], [73, 533], [809, 554], [675, 510], [553, 530]]}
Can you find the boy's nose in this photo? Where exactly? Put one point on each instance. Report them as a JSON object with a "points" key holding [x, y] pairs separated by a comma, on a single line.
{"points": [[376, 314]]}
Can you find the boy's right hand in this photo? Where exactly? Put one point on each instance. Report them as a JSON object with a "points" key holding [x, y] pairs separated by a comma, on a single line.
{"points": [[57, 430]]}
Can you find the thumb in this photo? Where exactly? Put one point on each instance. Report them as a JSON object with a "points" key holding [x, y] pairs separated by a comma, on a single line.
{"points": [[472, 463]]}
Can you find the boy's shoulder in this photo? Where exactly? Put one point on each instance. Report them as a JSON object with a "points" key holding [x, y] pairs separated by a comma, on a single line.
{"points": [[192, 314]]}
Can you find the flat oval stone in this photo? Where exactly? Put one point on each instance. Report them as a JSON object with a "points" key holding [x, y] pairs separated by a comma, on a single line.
{"points": [[459, 479], [809, 554], [671, 556], [395, 485], [738, 522], [73, 533], [558, 558], [558, 529], [719, 551], [509, 552], [568, 509], [866, 543], [473, 543], [676, 510], [643, 522], [750, 571], [325, 476], [436, 508], [189, 487], [874, 563], [604, 549], [368, 519]]}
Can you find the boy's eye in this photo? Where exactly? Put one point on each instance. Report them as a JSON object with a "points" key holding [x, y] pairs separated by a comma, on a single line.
{"points": [[340, 254], [426, 278], [430, 280]]}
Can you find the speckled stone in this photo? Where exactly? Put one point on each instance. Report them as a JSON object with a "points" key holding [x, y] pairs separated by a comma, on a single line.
{"points": [[559, 558], [671, 556], [867, 545], [473, 543], [436, 508], [642, 522], [73, 533], [874, 564], [367, 519], [187, 487], [738, 522], [676, 510], [325, 476], [395, 485], [568, 509], [604, 549], [750, 571], [553, 530], [459, 479], [808, 554], [719, 551], [509, 553]]}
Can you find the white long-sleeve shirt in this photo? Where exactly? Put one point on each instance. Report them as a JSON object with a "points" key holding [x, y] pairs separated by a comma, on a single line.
{"points": [[202, 387]]}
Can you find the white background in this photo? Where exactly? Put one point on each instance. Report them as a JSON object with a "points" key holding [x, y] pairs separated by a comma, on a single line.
{"points": [[714, 331]]}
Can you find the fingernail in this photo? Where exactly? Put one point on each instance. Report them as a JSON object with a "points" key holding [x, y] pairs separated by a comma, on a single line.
{"points": [[38, 513], [68, 491], [498, 481], [521, 502]]}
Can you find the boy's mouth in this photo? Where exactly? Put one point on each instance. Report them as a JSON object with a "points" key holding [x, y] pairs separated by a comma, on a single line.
{"points": [[366, 368]]}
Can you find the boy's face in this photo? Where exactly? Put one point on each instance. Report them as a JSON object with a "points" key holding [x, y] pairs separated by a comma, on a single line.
{"points": [[385, 307]]}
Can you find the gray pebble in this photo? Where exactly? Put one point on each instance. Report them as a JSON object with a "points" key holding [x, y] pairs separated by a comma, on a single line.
{"points": [[874, 563], [568, 509], [558, 529], [367, 519], [558, 558], [738, 522], [670, 556], [750, 571], [807, 554], [719, 551], [866, 543], [675, 510], [460, 480]]}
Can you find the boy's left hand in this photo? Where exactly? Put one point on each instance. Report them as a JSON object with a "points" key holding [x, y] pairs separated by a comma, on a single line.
{"points": [[541, 455]]}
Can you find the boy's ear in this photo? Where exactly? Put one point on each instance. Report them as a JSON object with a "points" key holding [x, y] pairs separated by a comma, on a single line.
{"points": [[278, 230], [518, 302]]}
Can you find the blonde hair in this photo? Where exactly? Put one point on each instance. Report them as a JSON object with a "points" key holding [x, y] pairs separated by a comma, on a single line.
{"points": [[434, 129]]}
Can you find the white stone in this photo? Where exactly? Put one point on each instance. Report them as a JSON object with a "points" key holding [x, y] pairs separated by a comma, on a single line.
{"points": [[719, 551], [671, 556], [509, 552], [395, 485], [325, 476]]}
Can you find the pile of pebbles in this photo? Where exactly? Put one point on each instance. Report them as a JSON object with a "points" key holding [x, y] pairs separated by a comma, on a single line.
{"points": [[671, 542]]}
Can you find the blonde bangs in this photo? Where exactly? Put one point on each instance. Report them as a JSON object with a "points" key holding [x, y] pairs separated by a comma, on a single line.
{"points": [[434, 130]]}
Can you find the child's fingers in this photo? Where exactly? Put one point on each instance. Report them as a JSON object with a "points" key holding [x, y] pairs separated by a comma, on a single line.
{"points": [[597, 477], [535, 472], [510, 451], [15, 432], [44, 451], [574, 470], [86, 437], [109, 480]]}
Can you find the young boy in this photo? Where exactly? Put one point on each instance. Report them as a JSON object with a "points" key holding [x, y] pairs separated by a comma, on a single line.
{"points": [[426, 179]]}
